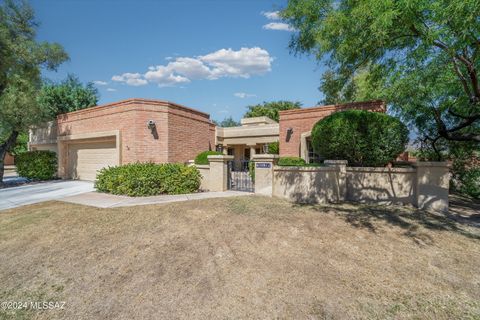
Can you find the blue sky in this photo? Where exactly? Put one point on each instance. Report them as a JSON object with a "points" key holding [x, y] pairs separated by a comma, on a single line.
{"points": [[217, 56]]}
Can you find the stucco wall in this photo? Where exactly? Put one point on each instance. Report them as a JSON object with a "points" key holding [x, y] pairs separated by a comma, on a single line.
{"points": [[302, 120], [43, 134], [306, 185], [381, 185], [425, 185], [204, 172]]}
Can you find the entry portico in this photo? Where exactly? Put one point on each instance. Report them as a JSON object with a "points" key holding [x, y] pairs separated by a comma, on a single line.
{"points": [[242, 142]]}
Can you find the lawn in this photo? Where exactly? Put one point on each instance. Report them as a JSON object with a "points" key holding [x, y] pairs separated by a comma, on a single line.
{"points": [[245, 257]]}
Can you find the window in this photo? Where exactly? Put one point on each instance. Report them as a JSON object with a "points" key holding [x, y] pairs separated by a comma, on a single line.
{"points": [[230, 151], [312, 156]]}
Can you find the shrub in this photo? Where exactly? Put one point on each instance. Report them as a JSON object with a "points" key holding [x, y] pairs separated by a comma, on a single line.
{"points": [[201, 158], [274, 148], [148, 179], [291, 161], [363, 138], [469, 183], [37, 165]]}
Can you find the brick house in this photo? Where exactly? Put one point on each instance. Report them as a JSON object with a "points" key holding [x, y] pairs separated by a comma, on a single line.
{"points": [[141, 130], [296, 125], [133, 130]]}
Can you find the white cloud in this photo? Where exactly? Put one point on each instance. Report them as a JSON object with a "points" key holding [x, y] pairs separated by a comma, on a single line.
{"points": [[111, 89], [100, 83], [242, 63], [243, 95], [271, 15], [132, 79], [278, 26]]}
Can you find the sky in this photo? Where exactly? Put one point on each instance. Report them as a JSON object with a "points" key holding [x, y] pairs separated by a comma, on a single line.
{"points": [[217, 56]]}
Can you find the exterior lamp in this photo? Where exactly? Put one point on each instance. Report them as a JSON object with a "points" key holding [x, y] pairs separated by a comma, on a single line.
{"points": [[265, 148], [219, 148]]}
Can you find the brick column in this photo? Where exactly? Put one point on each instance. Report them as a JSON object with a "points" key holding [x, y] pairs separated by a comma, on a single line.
{"points": [[341, 165], [218, 175], [264, 173], [431, 188]]}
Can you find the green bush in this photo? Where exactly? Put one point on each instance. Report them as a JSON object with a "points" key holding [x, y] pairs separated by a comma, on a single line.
{"points": [[37, 165], [274, 148], [201, 158], [363, 138], [470, 183], [148, 179], [291, 161]]}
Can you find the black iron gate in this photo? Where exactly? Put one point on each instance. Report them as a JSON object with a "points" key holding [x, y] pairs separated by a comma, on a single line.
{"points": [[240, 176]]}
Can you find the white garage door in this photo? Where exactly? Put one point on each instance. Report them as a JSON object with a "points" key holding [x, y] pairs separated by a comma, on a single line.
{"points": [[86, 159]]}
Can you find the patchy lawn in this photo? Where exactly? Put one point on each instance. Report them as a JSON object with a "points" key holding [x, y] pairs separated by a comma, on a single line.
{"points": [[246, 257]]}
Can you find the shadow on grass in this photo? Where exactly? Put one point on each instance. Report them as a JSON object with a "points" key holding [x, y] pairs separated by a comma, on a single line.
{"points": [[407, 218]]}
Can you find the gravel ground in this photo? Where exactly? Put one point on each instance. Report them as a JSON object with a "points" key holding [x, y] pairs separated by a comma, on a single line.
{"points": [[246, 257]]}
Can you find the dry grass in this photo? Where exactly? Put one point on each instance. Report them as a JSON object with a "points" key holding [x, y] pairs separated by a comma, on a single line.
{"points": [[247, 257]]}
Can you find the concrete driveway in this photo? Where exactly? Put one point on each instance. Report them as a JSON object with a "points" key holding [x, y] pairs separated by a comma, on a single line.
{"points": [[44, 191]]}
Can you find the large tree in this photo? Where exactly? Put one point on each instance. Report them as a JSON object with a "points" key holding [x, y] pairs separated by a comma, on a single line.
{"points": [[67, 95], [22, 59], [271, 109], [421, 56]]}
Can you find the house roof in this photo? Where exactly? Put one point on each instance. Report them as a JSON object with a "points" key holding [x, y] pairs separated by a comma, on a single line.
{"points": [[140, 101]]}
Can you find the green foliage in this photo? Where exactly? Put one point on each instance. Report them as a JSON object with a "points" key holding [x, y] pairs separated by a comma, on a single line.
{"points": [[22, 60], [21, 145], [228, 122], [271, 109], [202, 157], [37, 165], [274, 148], [465, 170], [469, 182], [251, 170], [148, 179], [68, 95], [420, 56], [363, 138], [291, 161]]}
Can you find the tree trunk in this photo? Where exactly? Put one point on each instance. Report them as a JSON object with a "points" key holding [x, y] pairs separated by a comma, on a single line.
{"points": [[4, 147]]}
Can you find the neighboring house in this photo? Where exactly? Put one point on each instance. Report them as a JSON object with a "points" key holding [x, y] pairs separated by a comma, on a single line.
{"points": [[141, 130], [134, 130]]}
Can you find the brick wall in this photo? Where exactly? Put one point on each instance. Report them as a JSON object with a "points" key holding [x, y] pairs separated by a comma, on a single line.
{"points": [[302, 120], [189, 134], [181, 132]]}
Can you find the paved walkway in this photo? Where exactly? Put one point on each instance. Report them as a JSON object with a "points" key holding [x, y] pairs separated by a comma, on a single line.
{"points": [[103, 200]]}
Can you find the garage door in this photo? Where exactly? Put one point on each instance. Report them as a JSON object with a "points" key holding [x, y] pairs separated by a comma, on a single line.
{"points": [[86, 159]]}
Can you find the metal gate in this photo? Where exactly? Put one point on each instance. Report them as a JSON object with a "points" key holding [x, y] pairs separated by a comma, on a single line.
{"points": [[239, 176]]}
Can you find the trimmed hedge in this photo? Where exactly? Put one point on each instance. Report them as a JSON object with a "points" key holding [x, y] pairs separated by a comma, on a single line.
{"points": [[37, 165], [274, 148], [201, 158], [148, 179], [291, 161], [363, 138]]}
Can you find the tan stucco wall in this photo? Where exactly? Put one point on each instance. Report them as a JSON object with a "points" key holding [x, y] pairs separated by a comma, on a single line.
{"points": [[43, 134], [381, 185], [306, 185], [425, 185], [205, 173]]}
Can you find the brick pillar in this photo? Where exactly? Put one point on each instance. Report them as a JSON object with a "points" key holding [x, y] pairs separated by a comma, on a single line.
{"points": [[341, 165], [264, 173], [431, 189], [218, 175]]}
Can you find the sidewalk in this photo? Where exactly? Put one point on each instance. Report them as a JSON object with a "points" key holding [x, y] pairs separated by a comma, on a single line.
{"points": [[104, 200]]}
